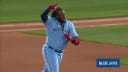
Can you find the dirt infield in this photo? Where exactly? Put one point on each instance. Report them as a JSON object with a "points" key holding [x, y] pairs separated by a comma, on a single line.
{"points": [[22, 52]]}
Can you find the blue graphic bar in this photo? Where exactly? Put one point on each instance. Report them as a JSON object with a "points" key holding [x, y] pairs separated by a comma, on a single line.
{"points": [[107, 62]]}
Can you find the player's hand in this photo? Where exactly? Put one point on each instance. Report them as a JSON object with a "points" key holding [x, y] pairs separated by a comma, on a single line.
{"points": [[69, 37], [52, 6], [76, 41]]}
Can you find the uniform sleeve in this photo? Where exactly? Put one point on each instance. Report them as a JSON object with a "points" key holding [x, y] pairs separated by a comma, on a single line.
{"points": [[44, 15], [73, 32], [48, 22]]}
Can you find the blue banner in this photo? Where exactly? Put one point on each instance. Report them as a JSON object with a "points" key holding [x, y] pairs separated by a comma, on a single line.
{"points": [[107, 62]]}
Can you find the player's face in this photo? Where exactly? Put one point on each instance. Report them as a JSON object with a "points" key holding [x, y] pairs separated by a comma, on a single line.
{"points": [[61, 16]]}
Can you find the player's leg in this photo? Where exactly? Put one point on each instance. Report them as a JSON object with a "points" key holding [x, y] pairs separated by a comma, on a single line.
{"points": [[60, 56], [51, 60], [45, 69]]}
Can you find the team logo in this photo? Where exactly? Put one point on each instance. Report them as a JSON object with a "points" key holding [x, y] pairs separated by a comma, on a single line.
{"points": [[107, 62]]}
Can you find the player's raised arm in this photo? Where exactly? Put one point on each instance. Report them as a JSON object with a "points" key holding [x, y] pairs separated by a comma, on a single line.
{"points": [[44, 15]]}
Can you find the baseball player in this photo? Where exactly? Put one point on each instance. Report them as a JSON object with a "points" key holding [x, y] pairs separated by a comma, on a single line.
{"points": [[59, 32]]}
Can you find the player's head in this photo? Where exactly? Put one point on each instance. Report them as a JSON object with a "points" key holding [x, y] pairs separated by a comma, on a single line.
{"points": [[59, 14]]}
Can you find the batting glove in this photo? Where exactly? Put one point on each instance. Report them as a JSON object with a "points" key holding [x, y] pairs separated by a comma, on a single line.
{"points": [[69, 37], [76, 41], [52, 6]]}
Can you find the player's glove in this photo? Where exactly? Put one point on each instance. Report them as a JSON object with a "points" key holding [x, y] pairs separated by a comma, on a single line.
{"points": [[75, 41], [69, 37], [52, 6]]}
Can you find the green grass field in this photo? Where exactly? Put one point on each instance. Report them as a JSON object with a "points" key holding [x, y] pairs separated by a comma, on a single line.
{"points": [[117, 35], [30, 10], [124, 61]]}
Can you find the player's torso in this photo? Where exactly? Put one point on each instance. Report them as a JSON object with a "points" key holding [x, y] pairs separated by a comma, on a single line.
{"points": [[55, 33]]}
